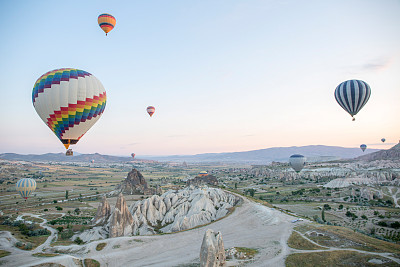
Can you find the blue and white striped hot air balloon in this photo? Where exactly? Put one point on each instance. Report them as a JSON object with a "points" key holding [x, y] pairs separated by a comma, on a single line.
{"points": [[25, 187], [352, 95]]}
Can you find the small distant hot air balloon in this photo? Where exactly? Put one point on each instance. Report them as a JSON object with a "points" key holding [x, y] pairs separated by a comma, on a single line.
{"points": [[203, 173], [106, 22], [352, 95], [69, 101], [92, 161], [151, 110], [363, 147], [133, 155], [25, 187], [383, 140], [297, 162]]}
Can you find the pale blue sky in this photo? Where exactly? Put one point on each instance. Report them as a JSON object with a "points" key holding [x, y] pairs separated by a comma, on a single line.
{"points": [[223, 75]]}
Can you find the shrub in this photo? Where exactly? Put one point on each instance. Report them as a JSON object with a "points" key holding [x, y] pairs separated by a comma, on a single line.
{"points": [[395, 225], [46, 210], [382, 223], [78, 240]]}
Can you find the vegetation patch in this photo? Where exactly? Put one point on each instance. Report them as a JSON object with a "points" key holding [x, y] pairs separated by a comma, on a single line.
{"points": [[249, 252], [67, 220], [100, 246], [296, 241], [4, 253], [91, 263], [341, 237], [336, 258], [45, 254]]}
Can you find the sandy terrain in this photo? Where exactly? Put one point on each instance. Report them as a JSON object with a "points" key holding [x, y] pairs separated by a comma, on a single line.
{"points": [[250, 225]]}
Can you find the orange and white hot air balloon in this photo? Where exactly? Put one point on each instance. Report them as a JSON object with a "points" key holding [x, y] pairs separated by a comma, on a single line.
{"points": [[106, 22], [151, 110]]}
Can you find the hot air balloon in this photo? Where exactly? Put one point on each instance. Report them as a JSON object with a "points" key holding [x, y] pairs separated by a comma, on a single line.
{"points": [[133, 155], [69, 101], [69, 152], [352, 95], [25, 187], [383, 140], [92, 161], [203, 173], [363, 147], [151, 110], [297, 162], [106, 22]]}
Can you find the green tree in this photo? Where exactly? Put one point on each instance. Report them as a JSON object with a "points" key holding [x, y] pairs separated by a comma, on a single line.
{"points": [[252, 191], [340, 206], [77, 211], [66, 194], [323, 214], [327, 207], [78, 240], [235, 185], [60, 229]]}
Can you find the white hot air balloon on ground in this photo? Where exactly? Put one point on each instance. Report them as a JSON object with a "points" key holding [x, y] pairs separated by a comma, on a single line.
{"points": [[297, 162]]}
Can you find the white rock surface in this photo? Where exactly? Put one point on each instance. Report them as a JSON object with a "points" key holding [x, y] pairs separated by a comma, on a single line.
{"points": [[212, 251], [180, 210]]}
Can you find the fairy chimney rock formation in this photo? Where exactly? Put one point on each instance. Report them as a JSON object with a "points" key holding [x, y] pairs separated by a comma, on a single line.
{"points": [[133, 184], [212, 252], [121, 219], [103, 212]]}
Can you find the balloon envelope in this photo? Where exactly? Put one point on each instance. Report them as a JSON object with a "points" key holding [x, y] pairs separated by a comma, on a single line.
{"points": [[69, 101], [25, 187], [151, 110], [363, 147], [297, 162], [352, 95], [383, 140], [133, 155], [106, 22]]}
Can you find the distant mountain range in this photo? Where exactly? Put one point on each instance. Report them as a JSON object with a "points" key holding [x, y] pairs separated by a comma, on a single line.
{"points": [[60, 157], [261, 156], [392, 153]]}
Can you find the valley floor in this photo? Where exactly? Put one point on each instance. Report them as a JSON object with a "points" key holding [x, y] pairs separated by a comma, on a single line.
{"points": [[251, 225]]}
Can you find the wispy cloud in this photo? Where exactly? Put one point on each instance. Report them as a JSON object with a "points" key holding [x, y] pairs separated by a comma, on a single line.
{"points": [[377, 64]]}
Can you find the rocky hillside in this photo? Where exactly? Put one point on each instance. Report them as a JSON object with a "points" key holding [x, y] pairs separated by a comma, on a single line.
{"points": [[176, 211], [171, 212], [390, 154], [134, 183]]}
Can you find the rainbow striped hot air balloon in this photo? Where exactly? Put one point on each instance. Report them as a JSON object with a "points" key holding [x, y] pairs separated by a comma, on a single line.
{"points": [[106, 22], [69, 101], [25, 187], [151, 110]]}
